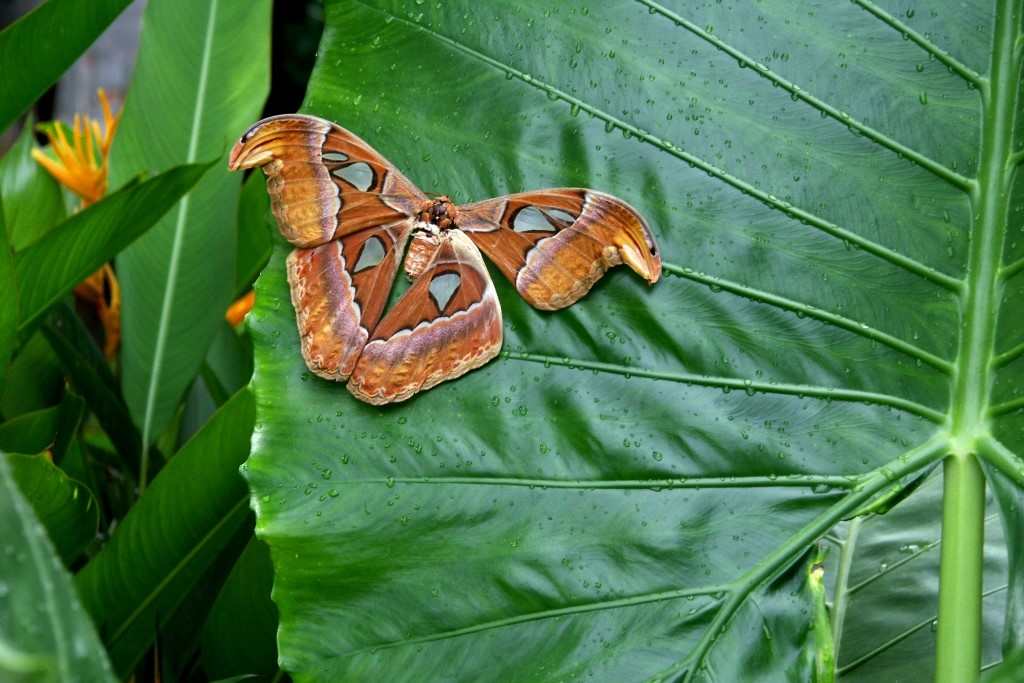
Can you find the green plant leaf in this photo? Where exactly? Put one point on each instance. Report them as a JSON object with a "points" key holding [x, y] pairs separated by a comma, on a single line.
{"points": [[9, 303], [835, 195], [201, 77], [256, 229], [45, 637], [232, 645], [883, 569], [39, 47], [66, 508], [32, 201], [31, 432], [178, 639], [48, 269], [1008, 671], [171, 537], [34, 379], [85, 365]]}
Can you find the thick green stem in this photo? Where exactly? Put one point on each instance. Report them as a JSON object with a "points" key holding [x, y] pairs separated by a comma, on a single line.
{"points": [[963, 513], [959, 633]]}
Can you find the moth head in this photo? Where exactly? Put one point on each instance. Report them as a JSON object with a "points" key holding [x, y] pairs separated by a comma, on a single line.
{"points": [[271, 138], [632, 236], [643, 258]]}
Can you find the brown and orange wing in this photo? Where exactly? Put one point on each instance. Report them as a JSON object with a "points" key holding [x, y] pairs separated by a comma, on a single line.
{"points": [[447, 323], [555, 244], [350, 212], [339, 290], [323, 181]]}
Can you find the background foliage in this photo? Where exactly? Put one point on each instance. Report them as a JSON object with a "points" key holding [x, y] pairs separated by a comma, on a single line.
{"points": [[733, 475]]}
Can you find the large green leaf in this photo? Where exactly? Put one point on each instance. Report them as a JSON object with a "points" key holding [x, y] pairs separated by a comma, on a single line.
{"points": [[32, 198], [829, 184], [162, 550], [36, 49], [201, 77], [45, 637], [48, 269]]}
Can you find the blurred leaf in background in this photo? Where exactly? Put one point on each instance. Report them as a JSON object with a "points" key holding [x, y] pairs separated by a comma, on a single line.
{"points": [[35, 50], [32, 198], [201, 78], [163, 548], [45, 636]]}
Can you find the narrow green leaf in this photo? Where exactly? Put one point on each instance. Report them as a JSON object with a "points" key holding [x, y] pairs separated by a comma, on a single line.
{"points": [[170, 538], [256, 230], [233, 644], [48, 269], [226, 369], [66, 508], [9, 302], [45, 637], [39, 47], [201, 77], [31, 432], [179, 638], [72, 411], [34, 379], [88, 371], [32, 201]]}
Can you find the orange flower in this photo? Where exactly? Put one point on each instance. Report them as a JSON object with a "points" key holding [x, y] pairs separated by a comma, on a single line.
{"points": [[81, 165], [103, 291], [238, 310]]}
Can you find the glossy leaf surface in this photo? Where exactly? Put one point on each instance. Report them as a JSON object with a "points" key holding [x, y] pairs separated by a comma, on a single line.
{"points": [[832, 187], [201, 76], [45, 635]]}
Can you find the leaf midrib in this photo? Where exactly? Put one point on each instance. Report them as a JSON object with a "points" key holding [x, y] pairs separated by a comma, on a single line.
{"points": [[175, 257]]}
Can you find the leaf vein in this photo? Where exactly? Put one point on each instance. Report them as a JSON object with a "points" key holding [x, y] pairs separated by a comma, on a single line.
{"points": [[964, 71], [745, 385], [939, 170], [809, 311], [770, 481], [900, 260]]}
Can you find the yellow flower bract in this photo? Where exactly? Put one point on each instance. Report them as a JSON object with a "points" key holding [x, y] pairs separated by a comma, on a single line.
{"points": [[81, 164]]}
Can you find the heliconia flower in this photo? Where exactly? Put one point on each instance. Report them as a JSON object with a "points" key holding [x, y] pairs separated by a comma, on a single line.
{"points": [[240, 308], [102, 290], [81, 165]]}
